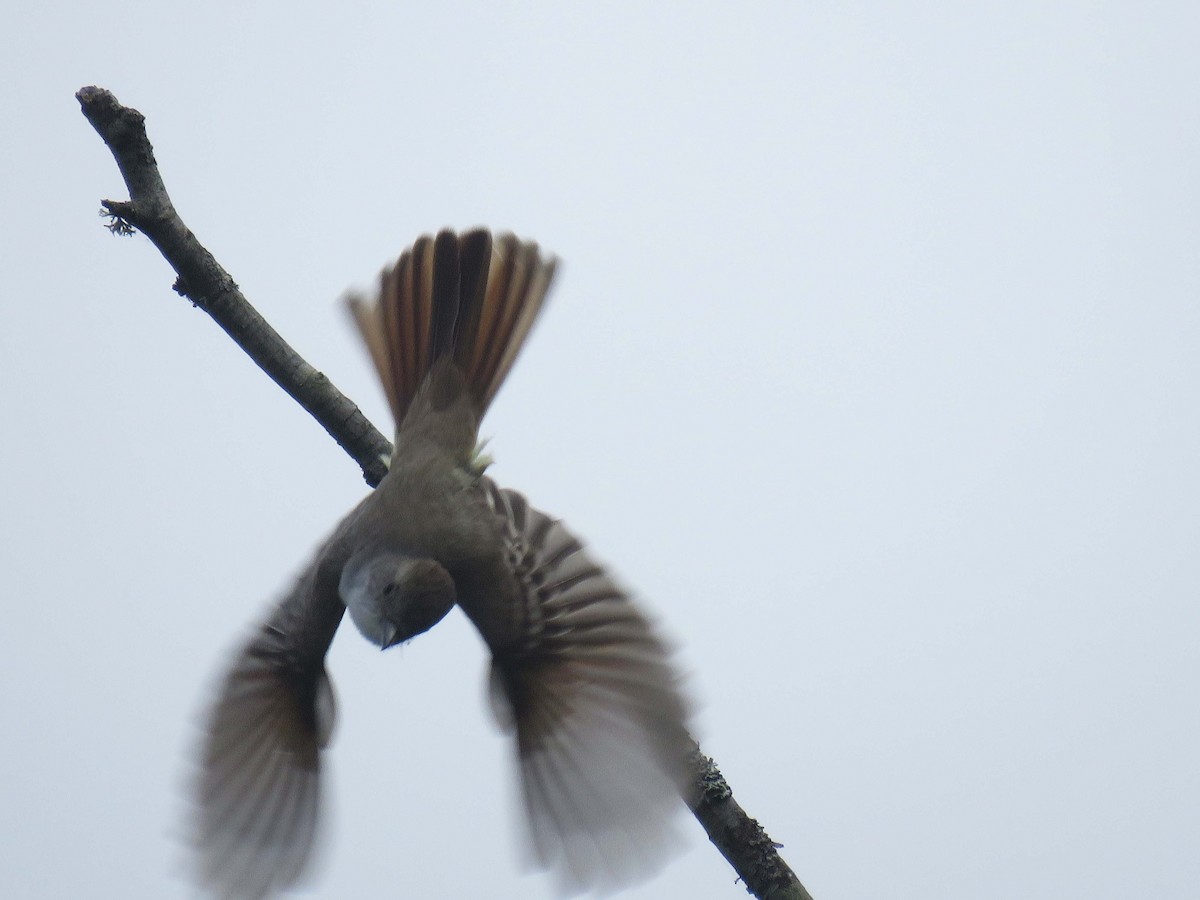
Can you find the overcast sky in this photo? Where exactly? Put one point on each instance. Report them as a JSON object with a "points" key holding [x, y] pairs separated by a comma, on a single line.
{"points": [[872, 369]]}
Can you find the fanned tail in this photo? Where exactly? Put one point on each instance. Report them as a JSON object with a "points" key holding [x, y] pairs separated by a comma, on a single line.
{"points": [[470, 296]]}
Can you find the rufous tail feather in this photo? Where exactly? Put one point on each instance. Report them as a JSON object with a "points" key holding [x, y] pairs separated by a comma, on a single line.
{"points": [[471, 296]]}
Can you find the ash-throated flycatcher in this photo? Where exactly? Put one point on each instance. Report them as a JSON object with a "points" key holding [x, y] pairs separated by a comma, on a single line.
{"points": [[578, 675]]}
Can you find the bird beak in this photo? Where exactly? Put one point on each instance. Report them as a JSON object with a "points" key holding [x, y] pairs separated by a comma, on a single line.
{"points": [[391, 638]]}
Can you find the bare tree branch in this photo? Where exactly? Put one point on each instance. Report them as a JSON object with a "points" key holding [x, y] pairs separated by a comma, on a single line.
{"points": [[203, 281], [741, 840]]}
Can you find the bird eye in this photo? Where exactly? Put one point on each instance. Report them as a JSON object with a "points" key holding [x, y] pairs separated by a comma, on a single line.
{"points": [[389, 588]]}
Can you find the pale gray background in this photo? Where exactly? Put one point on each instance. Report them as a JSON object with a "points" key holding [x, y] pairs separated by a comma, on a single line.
{"points": [[872, 368]]}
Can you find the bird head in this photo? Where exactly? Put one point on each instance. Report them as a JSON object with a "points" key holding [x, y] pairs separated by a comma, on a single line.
{"points": [[392, 597]]}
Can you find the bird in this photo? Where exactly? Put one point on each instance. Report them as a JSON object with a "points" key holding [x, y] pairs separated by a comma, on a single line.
{"points": [[580, 677]]}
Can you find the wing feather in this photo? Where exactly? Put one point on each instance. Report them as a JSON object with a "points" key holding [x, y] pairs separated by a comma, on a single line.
{"points": [[258, 789], [597, 710]]}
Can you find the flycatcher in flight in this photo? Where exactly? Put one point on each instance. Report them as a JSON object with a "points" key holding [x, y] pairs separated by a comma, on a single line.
{"points": [[578, 675]]}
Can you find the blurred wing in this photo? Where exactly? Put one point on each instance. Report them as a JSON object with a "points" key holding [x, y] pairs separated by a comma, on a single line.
{"points": [[258, 789], [596, 706]]}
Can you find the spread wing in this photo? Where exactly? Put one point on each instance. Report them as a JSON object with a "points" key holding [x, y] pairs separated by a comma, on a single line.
{"points": [[596, 707], [258, 789]]}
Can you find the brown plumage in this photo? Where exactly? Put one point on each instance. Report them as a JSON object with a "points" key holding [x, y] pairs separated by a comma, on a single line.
{"points": [[470, 297], [578, 673]]}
